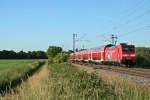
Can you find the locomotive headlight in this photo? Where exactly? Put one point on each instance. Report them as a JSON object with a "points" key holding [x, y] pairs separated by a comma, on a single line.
{"points": [[125, 55], [132, 55], [129, 55]]}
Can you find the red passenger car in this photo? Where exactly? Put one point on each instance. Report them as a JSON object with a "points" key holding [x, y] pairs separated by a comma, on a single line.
{"points": [[119, 54]]}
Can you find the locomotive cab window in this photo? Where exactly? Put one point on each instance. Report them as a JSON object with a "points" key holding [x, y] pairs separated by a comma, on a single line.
{"points": [[128, 49]]}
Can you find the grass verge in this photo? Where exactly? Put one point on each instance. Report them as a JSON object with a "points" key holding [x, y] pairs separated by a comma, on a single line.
{"points": [[68, 83], [12, 72]]}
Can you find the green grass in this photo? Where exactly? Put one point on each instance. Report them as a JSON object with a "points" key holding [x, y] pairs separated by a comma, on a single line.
{"points": [[11, 70], [68, 83]]}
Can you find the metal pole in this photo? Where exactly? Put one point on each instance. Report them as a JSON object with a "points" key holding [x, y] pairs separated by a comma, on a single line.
{"points": [[74, 42], [114, 39]]}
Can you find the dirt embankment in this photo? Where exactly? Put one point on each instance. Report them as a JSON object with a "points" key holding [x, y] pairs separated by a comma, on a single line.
{"points": [[32, 89]]}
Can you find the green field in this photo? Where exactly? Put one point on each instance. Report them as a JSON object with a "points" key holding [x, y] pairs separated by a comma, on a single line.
{"points": [[13, 70], [66, 82]]}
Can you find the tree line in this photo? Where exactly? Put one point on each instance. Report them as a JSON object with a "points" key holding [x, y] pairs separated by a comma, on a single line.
{"points": [[10, 54], [56, 54], [143, 57]]}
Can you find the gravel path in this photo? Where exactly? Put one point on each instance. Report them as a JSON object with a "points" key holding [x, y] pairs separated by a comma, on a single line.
{"points": [[103, 73], [141, 80]]}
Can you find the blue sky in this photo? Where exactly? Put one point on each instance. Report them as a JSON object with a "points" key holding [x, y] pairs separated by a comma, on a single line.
{"points": [[36, 24]]}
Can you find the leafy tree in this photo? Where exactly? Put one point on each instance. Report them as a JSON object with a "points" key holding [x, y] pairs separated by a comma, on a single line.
{"points": [[5, 54], [143, 55], [40, 54], [21, 55], [68, 52], [52, 52], [61, 57]]}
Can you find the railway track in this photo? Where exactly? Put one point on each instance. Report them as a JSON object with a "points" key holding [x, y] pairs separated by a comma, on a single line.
{"points": [[136, 74], [129, 71]]}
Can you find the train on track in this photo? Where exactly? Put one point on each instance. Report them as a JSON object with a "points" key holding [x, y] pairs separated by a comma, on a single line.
{"points": [[121, 54]]}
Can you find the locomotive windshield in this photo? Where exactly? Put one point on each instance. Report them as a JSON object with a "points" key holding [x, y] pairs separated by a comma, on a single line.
{"points": [[128, 48]]}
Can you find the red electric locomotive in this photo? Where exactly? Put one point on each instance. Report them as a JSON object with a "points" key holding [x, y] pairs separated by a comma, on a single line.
{"points": [[119, 54]]}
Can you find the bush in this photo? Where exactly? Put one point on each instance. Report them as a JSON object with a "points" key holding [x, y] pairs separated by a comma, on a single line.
{"points": [[52, 52], [56, 55], [143, 55], [61, 57], [140, 60]]}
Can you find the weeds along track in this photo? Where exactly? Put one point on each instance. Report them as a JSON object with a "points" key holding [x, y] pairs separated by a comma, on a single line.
{"points": [[130, 71], [136, 74]]}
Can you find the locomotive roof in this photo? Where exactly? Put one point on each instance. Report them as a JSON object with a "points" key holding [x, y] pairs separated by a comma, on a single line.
{"points": [[97, 48]]}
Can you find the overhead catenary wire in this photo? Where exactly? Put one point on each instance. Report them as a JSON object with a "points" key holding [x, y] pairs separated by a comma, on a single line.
{"points": [[137, 17], [81, 39], [135, 30], [133, 20], [130, 11], [129, 15]]}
